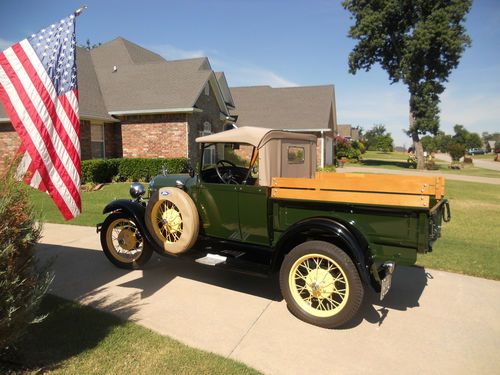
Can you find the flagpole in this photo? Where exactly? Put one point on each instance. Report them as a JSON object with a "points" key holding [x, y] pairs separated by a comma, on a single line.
{"points": [[80, 10]]}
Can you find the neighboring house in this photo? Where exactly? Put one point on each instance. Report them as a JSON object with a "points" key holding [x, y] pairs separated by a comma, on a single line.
{"points": [[134, 103], [348, 132], [308, 109]]}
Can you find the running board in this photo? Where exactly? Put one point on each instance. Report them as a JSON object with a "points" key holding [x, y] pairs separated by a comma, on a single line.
{"points": [[235, 264], [211, 259]]}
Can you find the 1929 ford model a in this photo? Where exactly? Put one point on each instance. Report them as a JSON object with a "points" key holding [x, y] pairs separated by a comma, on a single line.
{"points": [[257, 205]]}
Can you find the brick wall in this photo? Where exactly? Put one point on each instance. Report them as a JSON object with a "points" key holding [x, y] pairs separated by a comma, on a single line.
{"points": [[9, 144], [151, 136]]}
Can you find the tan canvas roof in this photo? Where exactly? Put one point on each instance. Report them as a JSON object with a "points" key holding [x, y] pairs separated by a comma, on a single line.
{"points": [[252, 135]]}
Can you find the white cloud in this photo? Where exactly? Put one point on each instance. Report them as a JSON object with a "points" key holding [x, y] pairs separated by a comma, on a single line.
{"points": [[238, 73], [255, 76], [5, 44], [171, 52]]}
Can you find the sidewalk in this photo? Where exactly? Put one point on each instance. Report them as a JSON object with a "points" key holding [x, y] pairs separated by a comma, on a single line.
{"points": [[413, 172], [431, 322]]}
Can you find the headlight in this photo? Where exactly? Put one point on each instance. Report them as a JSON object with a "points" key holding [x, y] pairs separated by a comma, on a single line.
{"points": [[136, 190]]}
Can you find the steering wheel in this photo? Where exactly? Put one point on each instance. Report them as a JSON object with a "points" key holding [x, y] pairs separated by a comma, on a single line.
{"points": [[226, 177]]}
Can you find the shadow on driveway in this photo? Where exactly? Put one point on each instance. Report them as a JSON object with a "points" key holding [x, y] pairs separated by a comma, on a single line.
{"points": [[82, 273]]}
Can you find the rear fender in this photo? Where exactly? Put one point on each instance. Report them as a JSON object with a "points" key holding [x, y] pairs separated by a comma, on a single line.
{"points": [[330, 231], [136, 212]]}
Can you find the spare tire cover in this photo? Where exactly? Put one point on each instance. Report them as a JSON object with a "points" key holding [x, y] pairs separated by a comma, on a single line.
{"points": [[172, 219]]}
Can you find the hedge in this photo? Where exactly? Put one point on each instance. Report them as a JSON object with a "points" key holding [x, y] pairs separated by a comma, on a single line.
{"points": [[107, 170]]}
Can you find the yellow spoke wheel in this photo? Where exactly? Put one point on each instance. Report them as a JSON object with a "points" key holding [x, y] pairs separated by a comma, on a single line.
{"points": [[320, 284], [168, 220], [122, 242]]}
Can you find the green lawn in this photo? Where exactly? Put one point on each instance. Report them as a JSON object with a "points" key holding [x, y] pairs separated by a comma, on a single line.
{"points": [[485, 157], [398, 161], [92, 204], [470, 243], [76, 339]]}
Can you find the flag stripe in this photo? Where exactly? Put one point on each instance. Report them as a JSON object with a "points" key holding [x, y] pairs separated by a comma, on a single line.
{"points": [[44, 101], [39, 76], [36, 147], [46, 134]]}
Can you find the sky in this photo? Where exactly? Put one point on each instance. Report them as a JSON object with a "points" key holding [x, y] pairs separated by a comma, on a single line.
{"points": [[282, 43]]}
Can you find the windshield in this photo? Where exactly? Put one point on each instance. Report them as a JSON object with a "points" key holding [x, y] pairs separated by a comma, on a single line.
{"points": [[238, 154]]}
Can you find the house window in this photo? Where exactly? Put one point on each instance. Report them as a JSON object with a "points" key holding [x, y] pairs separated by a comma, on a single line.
{"points": [[97, 141], [209, 153]]}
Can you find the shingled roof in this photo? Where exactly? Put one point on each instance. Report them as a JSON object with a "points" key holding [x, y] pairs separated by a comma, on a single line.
{"points": [[120, 77], [310, 108]]}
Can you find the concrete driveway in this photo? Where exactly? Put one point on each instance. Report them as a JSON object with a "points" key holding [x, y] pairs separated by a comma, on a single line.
{"points": [[431, 322]]}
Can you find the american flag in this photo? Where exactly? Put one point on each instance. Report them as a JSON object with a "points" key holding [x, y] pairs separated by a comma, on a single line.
{"points": [[38, 87]]}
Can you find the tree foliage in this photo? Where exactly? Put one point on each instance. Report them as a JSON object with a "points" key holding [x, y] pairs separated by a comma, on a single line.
{"points": [[417, 42], [466, 138], [22, 284], [377, 138]]}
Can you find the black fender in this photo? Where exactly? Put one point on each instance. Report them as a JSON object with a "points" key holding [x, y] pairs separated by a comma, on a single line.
{"points": [[355, 248], [136, 211]]}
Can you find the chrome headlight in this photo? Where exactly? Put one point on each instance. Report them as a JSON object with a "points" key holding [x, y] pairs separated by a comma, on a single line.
{"points": [[137, 190]]}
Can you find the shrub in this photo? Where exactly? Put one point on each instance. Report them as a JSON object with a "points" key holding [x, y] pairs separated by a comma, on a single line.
{"points": [[456, 151], [344, 149], [100, 170], [145, 169], [22, 282]]}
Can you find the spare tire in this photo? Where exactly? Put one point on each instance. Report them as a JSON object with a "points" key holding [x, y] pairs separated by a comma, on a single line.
{"points": [[172, 219]]}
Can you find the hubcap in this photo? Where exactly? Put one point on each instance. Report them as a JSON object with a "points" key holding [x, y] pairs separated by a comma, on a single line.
{"points": [[124, 240], [169, 223], [318, 285]]}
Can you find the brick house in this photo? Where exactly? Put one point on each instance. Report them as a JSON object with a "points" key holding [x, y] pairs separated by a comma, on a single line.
{"points": [[306, 109], [134, 103], [348, 132]]}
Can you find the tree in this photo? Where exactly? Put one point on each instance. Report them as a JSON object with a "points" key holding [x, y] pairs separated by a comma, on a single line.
{"points": [[372, 135], [417, 42], [429, 143], [464, 137], [384, 143]]}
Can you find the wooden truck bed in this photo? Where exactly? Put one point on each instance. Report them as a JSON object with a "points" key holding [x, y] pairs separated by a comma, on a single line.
{"points": [[373, 189]]}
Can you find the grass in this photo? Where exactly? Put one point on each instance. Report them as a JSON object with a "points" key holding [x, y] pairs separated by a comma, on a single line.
{"points": [[93, 203], [76, 339], [470, 243], [398, 161]]}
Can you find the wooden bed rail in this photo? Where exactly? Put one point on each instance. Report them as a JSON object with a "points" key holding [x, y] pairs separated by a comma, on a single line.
{"points": [[380, 189]]}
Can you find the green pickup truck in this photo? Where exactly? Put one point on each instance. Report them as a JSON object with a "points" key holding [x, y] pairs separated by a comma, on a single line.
{"points": [[257, 205]]}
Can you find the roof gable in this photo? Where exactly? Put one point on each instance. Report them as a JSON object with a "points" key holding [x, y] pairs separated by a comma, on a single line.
{"points": [[289, 108]]}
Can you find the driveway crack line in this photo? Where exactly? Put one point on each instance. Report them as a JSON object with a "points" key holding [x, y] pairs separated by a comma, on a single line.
{"points": [[249, 329]]}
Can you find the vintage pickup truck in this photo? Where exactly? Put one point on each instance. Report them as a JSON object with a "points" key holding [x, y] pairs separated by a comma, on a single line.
{"points": [[257, 205]]}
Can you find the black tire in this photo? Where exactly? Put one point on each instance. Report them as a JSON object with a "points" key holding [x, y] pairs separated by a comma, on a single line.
{"points": [[327, 296], [134, 252]]}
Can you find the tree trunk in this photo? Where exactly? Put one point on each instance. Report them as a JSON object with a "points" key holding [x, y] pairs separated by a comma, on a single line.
{"points": [[419, 150], [417, 145]]}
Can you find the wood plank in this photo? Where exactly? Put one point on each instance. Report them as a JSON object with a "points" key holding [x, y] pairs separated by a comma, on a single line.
{"points": [[404, 200], [427, 185]]}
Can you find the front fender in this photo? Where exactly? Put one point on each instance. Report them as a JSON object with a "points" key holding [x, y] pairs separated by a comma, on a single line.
{"points": [[136, 211], [329, 228]]}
